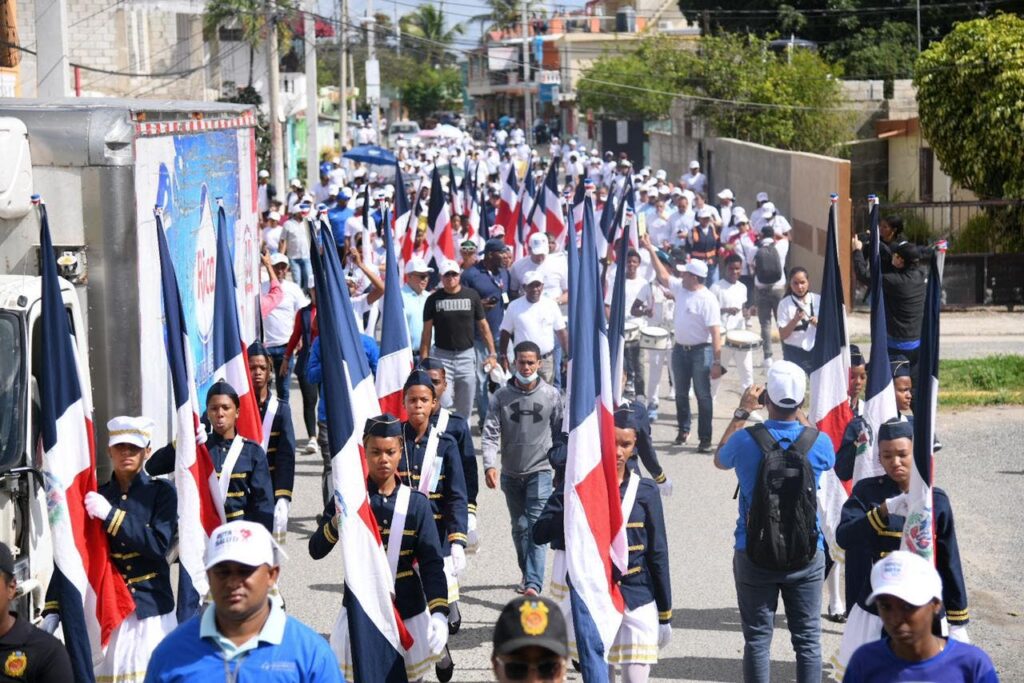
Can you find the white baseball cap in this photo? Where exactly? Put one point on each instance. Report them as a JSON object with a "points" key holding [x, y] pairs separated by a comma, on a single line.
{"points": [[907, 576], [449, 266], [769, 209], [273, 216], [694, 164], [137, 431], [264, 173], [247, 543], [533, 276], [418, 265], [725, 194], [705, 212], [762, 196], [660, 175], [538, 243], [278, 259], [696, 267], [787, 384]]}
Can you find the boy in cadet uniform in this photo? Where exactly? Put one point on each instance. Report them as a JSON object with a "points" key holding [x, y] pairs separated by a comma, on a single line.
{"points": [[871, 527], [431, 464], [278, 436], [140, 516], [240, 464], [457, 427], [421, 594], [640, 416]]}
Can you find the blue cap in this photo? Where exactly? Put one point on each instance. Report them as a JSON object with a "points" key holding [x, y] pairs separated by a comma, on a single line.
{"points": [[895, 429], [494, 245], [419, 378], [386, 425]]}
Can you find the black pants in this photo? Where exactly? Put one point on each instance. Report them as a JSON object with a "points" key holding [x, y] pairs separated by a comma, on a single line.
{"points": [[310, 396], [795, 354], [634, 367]]}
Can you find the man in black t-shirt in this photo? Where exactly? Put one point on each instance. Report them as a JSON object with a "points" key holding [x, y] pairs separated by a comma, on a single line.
{"points": [[452, 314], [26, 652]]}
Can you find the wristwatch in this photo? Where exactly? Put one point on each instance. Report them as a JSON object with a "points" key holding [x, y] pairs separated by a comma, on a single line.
{"points": [[740, 414]]}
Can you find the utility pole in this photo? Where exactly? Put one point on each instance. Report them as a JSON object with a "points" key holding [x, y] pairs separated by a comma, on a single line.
{"points": [[274, 91], [918, 26], [343, 87], [312, 108], [372, 71], [52, 64], [527, 95]]}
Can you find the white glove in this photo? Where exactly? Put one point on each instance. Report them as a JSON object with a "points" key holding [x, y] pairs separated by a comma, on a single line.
{"points": [[97, 506], [458, 559], [50, 622], [437, 634], [898, 505], [473, 538], [959, 633], [666, 488], [664, 634], [281, 509]]}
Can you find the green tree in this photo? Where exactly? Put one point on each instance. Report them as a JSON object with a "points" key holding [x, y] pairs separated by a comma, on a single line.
{"points": [[429, 24], [251, 17], [970, 94], [887, 52], [506, 14], [430, 90]]}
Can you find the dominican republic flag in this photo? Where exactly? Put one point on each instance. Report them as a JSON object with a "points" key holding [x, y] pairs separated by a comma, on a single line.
{"points": [[577, 206], [508, 206], [554, 220], [919, 529], [830, 378], [439, 223], [93, 599], [595, 535], [375, 629], [485, 225], [879, 399], [229, 355], [454, 193], [395, 353], [195, 478], [617, 321], [471, 206]]}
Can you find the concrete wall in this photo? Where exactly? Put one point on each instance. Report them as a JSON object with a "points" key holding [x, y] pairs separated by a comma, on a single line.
{"points": [[799, 184]]}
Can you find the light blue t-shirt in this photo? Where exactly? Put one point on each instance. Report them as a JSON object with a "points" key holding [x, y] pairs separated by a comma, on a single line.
{"points": [[957, 663], [742, 453], [413, 304]]}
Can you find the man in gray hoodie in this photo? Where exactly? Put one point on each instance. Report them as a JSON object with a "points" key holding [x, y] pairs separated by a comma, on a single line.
{"points": [[522, 419]]}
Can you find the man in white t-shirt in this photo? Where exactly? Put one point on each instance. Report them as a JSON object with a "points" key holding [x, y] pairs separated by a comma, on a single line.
{"points": [[695, 181], [279, 322], [732, 302], [639, 308], [768, 294], [696, 356], [295, 239], [554, 270], [536, 318], [273, 232]]}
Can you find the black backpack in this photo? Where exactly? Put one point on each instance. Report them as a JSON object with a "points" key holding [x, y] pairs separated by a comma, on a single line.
{"points": [[768, 264], [782, 531]]}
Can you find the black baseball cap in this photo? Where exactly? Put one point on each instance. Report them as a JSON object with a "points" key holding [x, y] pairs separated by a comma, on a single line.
{"points": [[531, 621], [6, 560]]}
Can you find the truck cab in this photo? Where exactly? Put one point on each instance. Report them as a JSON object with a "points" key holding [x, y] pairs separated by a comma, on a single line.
{"points": [[24, 526]]}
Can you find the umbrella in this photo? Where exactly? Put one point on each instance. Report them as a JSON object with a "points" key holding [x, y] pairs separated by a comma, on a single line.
{"points": [[371, 154]]}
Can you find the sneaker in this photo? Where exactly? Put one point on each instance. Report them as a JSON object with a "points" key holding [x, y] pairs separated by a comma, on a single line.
{"points": [[311, 446], [531, 592], [521, 588], [767, 363], [704, 447], [681, 438]]}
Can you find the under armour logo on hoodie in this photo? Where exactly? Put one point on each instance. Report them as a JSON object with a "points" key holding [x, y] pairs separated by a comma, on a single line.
{"points": [[536, 413]]}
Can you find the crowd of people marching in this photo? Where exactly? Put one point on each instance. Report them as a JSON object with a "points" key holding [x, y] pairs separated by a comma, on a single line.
{"points": [[700, 286]]}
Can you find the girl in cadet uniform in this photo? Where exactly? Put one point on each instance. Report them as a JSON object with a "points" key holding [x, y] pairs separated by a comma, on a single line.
{"points": [[647, 622], [421, 594], [871, 527], [278, 436], [240, 464], [431, 464], [140, 516]]}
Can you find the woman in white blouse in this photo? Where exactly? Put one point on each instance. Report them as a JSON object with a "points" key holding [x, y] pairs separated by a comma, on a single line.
{"points": [[797, 315]]}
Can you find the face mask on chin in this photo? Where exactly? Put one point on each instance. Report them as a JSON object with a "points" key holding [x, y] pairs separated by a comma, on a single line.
{"points": [[526, 379]]}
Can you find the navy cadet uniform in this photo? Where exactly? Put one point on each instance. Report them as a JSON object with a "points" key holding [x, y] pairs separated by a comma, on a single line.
{"points": [[449, 502], [250, 493], [281, 449], [645, 445]]}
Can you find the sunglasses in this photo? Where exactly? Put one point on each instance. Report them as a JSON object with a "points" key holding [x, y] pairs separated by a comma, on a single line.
{"points": [[518, 671], [451, 274]]}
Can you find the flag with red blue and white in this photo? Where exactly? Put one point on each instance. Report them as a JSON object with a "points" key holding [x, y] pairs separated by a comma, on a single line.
{"points": [[439, 223], [395, 353], [508, 205]]}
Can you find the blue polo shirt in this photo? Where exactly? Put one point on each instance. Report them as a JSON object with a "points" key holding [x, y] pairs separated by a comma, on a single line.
{"points": [[413, 304], [488, 284], [285, 650], [742, 453]]}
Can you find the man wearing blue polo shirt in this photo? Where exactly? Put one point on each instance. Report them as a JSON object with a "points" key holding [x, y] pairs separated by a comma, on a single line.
{"points": [[414, 296], [492, 282], [243, 636], [758, 588]]}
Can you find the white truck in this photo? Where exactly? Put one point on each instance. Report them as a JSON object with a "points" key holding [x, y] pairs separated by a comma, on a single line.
{"points": [[101, 166]]}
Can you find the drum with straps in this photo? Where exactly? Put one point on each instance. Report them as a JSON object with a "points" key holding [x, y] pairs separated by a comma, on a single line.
{"points": [[655, 339], [742, 339], [631, 332]]}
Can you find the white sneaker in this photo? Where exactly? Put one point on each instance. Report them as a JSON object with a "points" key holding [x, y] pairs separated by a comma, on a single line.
{"points": [[311, 447]]}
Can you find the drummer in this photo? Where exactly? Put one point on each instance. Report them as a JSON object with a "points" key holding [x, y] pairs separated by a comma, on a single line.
{"points": [[639, 307], [732, 299]]}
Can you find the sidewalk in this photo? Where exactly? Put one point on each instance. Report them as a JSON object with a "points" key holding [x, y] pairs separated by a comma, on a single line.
{"points": [[965, 334]]}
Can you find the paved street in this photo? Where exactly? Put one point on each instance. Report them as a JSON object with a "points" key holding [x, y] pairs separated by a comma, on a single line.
{"points": [[981, 467]]}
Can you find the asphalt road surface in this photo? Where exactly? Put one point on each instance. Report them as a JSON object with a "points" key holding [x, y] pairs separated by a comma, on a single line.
{"points": [[981, 467]]}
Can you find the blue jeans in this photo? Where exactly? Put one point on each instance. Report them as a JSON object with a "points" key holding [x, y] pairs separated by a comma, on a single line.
{"points": [[757, 592], [483, 399], [302, 272], [693, 365], [276, 359], [460, 368], [526, 497]]}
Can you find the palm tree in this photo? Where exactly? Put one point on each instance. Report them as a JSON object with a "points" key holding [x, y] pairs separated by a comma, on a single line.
{"points": [[429, 24], [251, 16], [506, 14]]}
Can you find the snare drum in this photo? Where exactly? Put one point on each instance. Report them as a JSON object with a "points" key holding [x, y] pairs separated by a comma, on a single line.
{"points": [[655, 339], [742, 339], [631, 332]]}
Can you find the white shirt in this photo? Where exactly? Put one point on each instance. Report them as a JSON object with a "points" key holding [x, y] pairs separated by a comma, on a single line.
{"points": [[262, 198], [782, 250], [298, 239], [321, 193], [636, 289], [731, 296], [681, 221], [811, 304], [659, 228], [695, 313], [272, 238], [278, 324], [695, 183], [536, 322], [555, 272]]}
